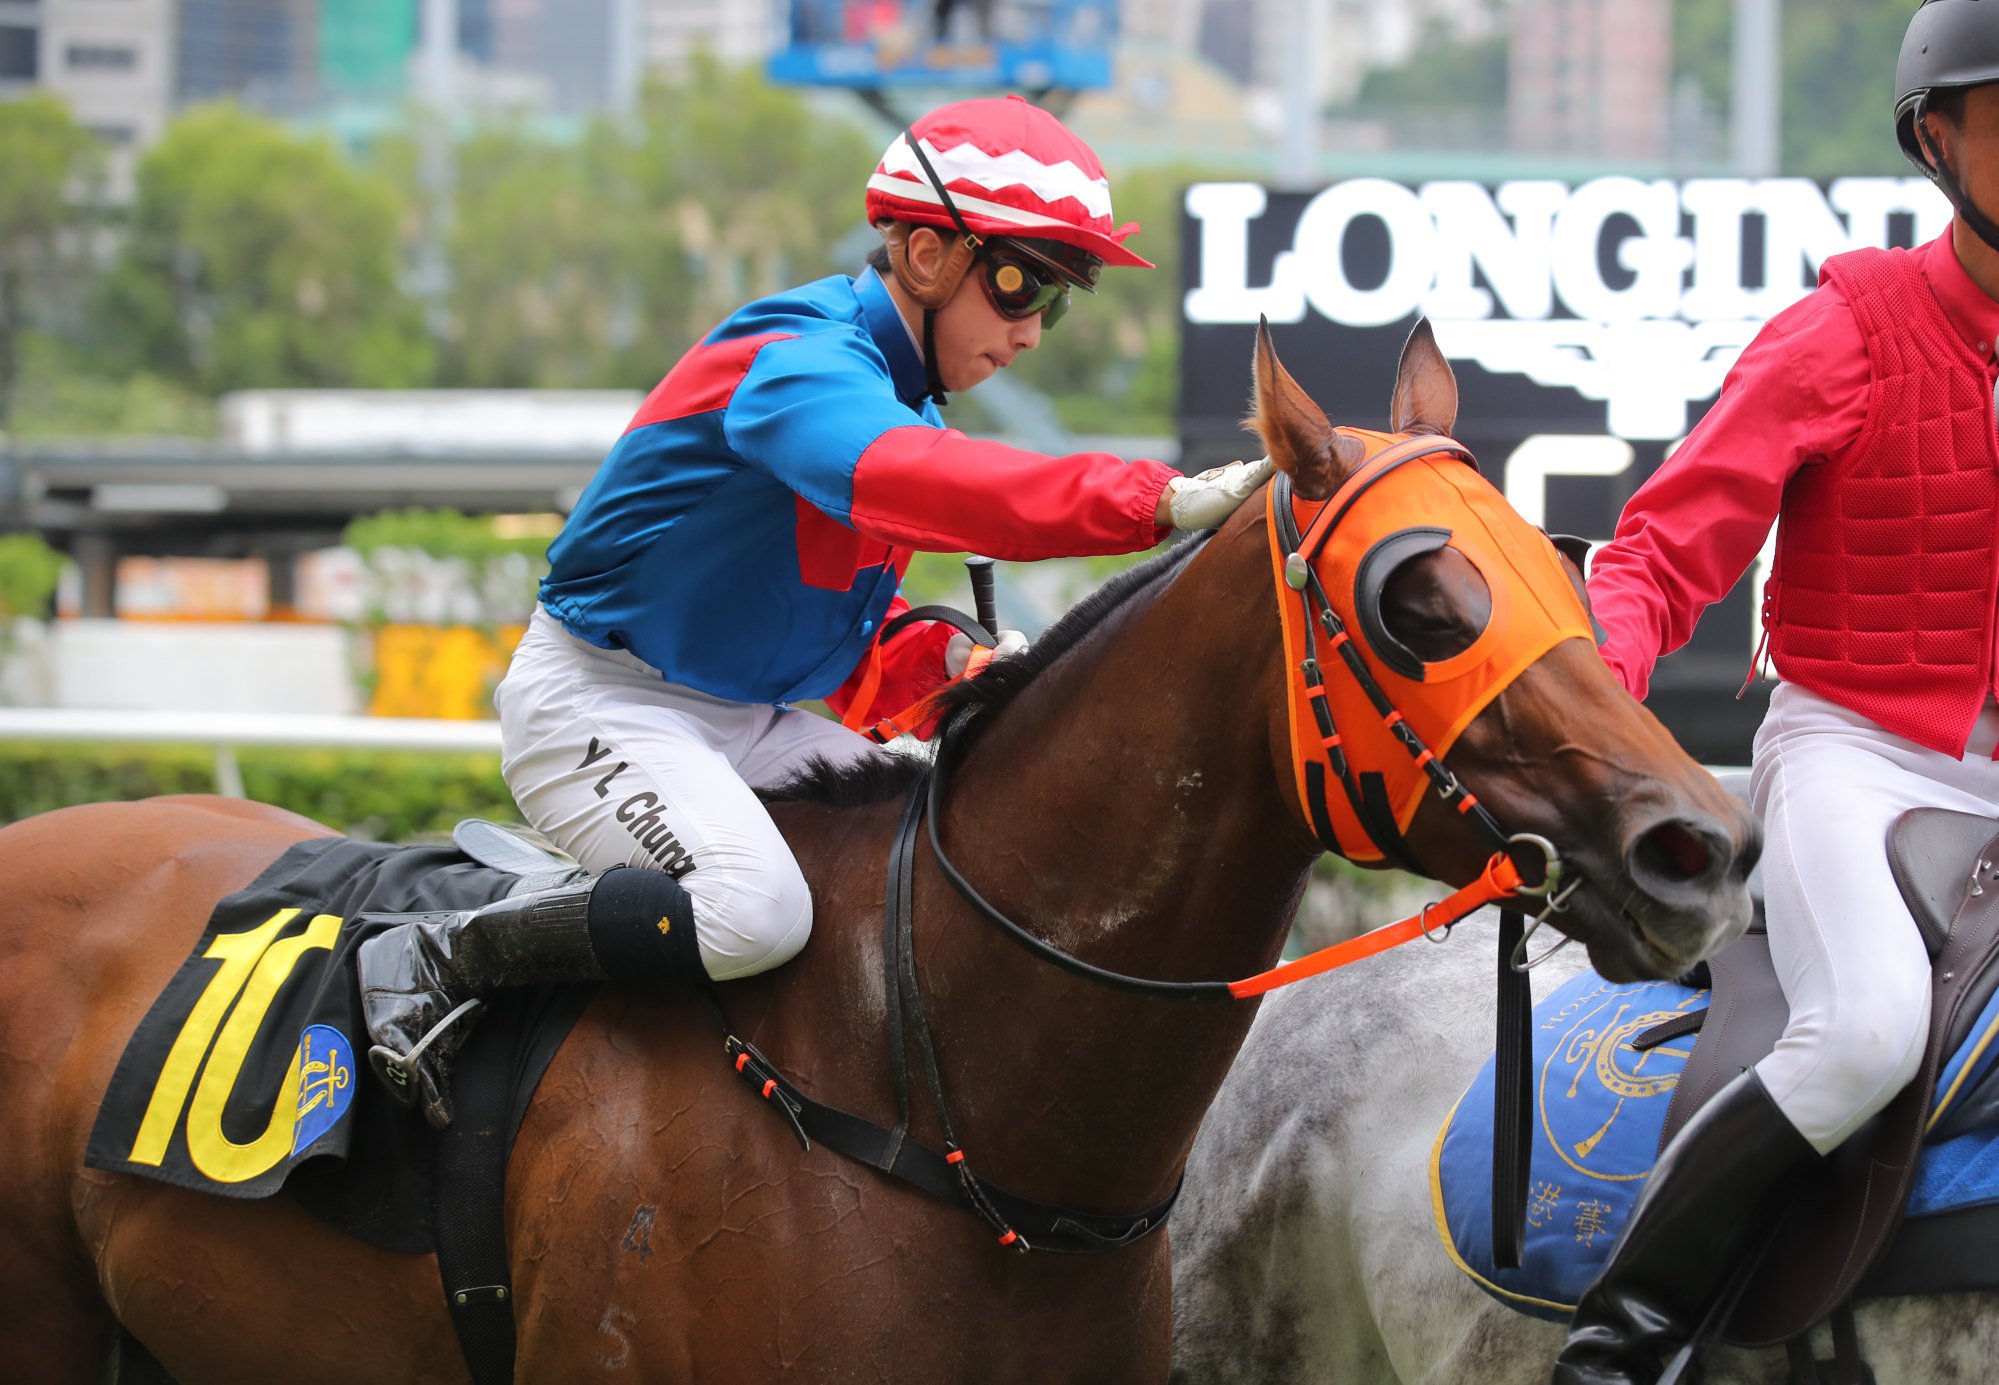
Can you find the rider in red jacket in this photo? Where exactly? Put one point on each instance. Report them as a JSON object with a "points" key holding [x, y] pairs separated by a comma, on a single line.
{"points": [[1861, 421]]}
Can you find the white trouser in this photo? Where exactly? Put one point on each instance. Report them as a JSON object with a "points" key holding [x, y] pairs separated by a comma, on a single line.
{"points": [[1828, 783], [619, 767]]}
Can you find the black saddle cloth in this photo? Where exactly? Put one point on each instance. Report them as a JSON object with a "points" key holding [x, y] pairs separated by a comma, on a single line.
{"points": [[205, 1095]]}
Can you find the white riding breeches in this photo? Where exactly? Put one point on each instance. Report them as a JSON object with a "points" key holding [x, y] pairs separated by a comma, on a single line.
{"points": [[619, 767], [1828, 783]]}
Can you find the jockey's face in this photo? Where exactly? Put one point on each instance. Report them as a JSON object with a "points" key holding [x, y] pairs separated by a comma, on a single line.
{"points": [[1971, 145], [972, 339]]}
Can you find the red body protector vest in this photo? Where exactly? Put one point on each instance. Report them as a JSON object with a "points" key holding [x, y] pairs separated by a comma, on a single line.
{"points": [[1881, 597]]}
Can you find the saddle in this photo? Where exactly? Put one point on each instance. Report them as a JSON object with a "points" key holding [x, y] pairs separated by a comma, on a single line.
{"points": [[272, 974], [1839, 1237], [348, 1155]]}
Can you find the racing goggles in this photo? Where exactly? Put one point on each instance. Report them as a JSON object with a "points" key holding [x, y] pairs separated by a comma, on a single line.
{"points": [[1022, 280]]}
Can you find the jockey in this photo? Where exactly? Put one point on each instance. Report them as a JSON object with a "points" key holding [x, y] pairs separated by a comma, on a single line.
{"points": [[740, 550], [1861, 420]]}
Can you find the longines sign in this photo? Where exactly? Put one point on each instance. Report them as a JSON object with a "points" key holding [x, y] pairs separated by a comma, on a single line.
{"points": [[1590, 325]]}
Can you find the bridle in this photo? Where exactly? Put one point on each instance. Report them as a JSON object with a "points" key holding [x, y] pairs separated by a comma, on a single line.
{"points": [[1368, 795], [1300, 563]]}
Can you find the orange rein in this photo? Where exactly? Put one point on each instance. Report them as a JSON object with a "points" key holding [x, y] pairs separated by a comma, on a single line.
{"points": [[1499, 880]]}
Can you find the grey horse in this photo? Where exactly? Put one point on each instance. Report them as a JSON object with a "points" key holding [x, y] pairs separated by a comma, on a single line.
{"points": [[1303, 1244]]}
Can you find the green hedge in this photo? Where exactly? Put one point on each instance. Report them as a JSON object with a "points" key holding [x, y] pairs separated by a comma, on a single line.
{"points": [[385, 796]]}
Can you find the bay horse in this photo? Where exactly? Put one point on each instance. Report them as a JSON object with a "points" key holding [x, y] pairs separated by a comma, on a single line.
{"points": [[1304, 1245], [1129, 794]]}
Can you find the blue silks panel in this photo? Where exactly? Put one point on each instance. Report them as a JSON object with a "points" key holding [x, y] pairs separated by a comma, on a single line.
{"points": [[1599, 1108]]}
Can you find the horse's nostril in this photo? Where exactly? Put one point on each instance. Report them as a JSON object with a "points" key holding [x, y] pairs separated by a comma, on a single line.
{"points": [[1675, 851]]}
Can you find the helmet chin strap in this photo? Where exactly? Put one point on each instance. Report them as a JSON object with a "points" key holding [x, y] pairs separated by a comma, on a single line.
{"points": [[1940, 174], [930, 357], [930, 313]]}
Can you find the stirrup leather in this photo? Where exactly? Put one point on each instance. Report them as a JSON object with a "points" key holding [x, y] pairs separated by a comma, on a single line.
{"points": [[398, 1071]]}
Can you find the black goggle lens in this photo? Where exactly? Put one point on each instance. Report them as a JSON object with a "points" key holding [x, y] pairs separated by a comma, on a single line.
{"points": [[1019, 289]]}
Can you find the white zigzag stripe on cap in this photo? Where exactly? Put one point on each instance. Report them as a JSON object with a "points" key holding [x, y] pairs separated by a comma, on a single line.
{"points": [[923, 192], [1016, 167]]}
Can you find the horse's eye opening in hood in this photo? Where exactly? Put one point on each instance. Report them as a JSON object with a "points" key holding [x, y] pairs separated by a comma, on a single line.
{"points": [[1417, 628]]}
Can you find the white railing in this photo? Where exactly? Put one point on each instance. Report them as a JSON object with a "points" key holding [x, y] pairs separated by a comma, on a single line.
{"points": [[227, 732]]}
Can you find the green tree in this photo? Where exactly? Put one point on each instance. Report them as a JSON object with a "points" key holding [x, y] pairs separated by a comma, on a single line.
{"points": [[258, 257], [542, 252], [599, 262], [743, 190], [1839, 78], [29, 570], [46, 161], [1448, 73]]}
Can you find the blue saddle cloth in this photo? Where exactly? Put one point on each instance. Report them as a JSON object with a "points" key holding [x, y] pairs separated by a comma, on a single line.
{"points": [[1599, 1108]]}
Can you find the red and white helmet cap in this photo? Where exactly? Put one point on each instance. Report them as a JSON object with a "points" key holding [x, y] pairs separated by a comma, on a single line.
{"points": [[1011, 169]]}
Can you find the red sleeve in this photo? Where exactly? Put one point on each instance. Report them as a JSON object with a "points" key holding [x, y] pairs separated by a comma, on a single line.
{"points": [[912, 665], [936, 490], [1797, 395]]}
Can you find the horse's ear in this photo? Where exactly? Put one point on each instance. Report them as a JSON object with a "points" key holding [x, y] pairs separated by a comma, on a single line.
{"points": [[1297, 436], [1426, 392]]}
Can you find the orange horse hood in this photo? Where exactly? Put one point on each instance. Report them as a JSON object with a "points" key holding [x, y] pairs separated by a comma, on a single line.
{"points": [[1412, 496]]}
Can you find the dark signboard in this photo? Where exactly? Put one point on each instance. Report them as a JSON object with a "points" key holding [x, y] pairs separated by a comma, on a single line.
{"points": [[1026, 45], [1590, 326]]}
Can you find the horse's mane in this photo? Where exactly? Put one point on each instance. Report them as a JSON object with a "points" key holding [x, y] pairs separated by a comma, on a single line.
{"points": [[879, 775]]}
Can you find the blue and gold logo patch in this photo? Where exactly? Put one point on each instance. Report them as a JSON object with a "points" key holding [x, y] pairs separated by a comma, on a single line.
{"points": [[325, 1083], [1600, 1107], [1591, 1077]]}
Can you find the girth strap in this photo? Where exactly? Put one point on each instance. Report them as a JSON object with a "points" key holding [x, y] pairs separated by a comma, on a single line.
{"points": [[1041, 1226], [1020, 1223], [469, 1192]]}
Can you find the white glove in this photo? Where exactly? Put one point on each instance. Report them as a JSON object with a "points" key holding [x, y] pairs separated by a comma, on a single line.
{"points": [[1204, 501], [958, 650]]}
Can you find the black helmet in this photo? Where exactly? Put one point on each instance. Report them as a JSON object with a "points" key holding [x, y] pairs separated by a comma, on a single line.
{"points": [[1951, 45]]}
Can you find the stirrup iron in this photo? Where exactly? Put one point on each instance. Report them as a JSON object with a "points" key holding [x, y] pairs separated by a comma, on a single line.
{"points": [[398, 1070]]}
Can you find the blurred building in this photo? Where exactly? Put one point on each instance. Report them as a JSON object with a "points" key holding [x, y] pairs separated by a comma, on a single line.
{"points": [[365, 47], [736, 31], [1255, 40], [111, 60], [1591, 78], [575, 48], [1169, 105], [256, 51]]}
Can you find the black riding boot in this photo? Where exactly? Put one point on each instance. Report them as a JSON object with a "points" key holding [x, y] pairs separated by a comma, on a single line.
{"points": [[625, 925], [1711, 1201]]}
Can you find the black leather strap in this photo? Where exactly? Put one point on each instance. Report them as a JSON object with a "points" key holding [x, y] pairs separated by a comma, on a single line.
{"points": [[471, 1170], [1675, 1028], [1513, 1064], [1021, 1223], [1210, 991], [956, 619], [1043, 1226]]}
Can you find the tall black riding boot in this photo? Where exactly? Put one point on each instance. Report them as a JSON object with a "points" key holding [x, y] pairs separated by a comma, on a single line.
{"points": [[1712, 1200], [628, 924]]}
